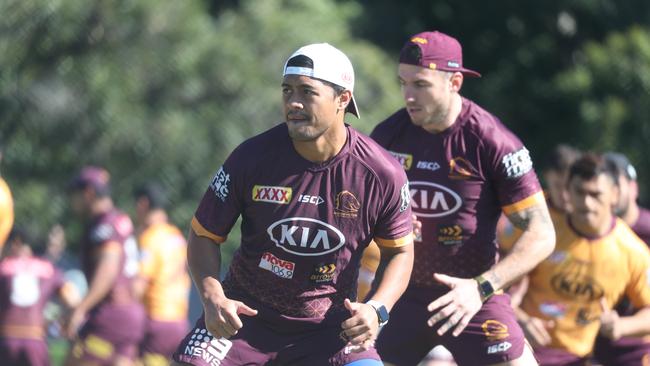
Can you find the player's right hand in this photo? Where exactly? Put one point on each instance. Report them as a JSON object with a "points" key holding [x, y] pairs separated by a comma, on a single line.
{"points": [[222, 316], [536, 330]]}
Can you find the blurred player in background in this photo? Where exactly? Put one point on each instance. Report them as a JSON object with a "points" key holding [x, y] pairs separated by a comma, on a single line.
{"points": [[464, 167], [108, 324], [26, 285], [597, 261], [6, 208], [626, 351], [312, 192], [163, 281]]}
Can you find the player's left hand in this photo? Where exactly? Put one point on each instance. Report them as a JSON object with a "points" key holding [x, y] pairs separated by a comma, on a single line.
{"points": [[458, 306], [360, 330], [73, 323], [609, 321]]}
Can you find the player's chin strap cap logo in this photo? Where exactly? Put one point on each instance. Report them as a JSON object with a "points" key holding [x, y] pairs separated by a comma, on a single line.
{"points": [[325, 62]]}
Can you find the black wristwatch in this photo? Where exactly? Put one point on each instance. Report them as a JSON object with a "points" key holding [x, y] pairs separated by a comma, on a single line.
{"points": [[380, 309], [484, 288]]}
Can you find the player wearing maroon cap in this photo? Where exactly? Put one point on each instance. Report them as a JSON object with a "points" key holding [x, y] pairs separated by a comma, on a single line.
{"points": [[464, 168], [312, 193], [114, 318]]}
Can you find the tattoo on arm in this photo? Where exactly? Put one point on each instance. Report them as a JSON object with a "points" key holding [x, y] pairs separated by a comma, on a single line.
{"points": [[522, 219]]}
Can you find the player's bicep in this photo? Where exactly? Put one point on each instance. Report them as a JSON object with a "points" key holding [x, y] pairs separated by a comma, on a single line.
{"points": [[530, 214]]}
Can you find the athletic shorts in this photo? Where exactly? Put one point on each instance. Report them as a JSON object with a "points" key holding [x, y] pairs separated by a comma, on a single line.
{"points": [[160, 341], [111, 332], [23, 352], [547, 356], [259, 343], [492, 336], [622, 352]]}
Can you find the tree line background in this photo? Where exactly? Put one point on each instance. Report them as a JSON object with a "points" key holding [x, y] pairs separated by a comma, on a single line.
{"points": [[164, 90]]}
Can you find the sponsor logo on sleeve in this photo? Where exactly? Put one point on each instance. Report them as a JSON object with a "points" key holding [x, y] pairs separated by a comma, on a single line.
{"points": [[428, 165], [517, 163], [405, 159], [102, 233], [433, 200], [277, 266], [323, 273], [210, 349], [305, 236], [405, 197], [494, 330], [450, 235], [498, 348], [272, 194], [314, 200], [346, 205], [220, 184]]}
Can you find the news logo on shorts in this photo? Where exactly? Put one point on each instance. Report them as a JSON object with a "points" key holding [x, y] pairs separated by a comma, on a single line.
{"points": [[206, 347], [277, 266]]}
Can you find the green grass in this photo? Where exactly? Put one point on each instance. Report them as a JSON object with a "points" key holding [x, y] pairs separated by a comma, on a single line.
{"points": [[58, 349]]}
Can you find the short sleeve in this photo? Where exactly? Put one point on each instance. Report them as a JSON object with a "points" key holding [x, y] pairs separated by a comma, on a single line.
{"points": [[512, 173], [222, 202], [638, 289], [394, 226]]}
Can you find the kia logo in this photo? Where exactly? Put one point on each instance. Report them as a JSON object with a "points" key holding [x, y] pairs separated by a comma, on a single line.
{"points": [[433, 200], [305, 236]]}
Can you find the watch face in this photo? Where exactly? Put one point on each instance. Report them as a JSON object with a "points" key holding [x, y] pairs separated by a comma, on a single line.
{"points": [[383, 314]]}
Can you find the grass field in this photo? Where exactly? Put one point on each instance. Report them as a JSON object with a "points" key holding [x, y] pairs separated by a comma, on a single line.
{"points": [[58, 349]]}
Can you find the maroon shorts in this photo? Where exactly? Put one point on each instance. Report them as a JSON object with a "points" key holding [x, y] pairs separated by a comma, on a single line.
{"points": [[492, 336], [259, 343], [23, 352], [558, 357], [162, 338], [623, 352], [111, 332]]}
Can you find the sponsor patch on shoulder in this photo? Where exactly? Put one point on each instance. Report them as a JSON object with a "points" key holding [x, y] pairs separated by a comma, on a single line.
{"points": [[220, 184], [517, 163], [272, 194]]}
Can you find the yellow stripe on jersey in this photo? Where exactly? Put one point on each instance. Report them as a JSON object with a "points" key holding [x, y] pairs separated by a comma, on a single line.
{"points": [[201, 231], [527, 202], [395, 243]]}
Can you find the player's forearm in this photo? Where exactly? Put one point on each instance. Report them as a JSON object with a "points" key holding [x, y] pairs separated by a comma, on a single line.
{"points": [[395, 277], [535, 244], [204, 262], [637, 325], [103, 280]]}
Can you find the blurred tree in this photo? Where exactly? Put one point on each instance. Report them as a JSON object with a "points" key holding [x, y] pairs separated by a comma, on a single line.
{"points": [[154, 90]]}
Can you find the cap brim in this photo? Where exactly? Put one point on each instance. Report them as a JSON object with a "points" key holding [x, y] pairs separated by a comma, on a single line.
{"points": [[469, 72], [352, 107]]}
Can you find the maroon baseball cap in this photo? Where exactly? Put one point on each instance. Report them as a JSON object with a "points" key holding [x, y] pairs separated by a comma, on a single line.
{"points": [[93, 176], [436, 51]]}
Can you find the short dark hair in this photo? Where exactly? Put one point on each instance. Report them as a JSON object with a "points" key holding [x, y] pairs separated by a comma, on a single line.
{"points": [[154, 193], [561, 158], [590, 165], [21, 234]]}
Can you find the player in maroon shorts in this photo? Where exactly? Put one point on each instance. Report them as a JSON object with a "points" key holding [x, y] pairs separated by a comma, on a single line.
{"points": [[626, 351], [27, 283], [312, 193], [464, 167], [108, 323]]}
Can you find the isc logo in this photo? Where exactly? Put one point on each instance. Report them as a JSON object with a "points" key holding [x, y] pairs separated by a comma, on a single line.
{"points": [[305, 236], [497, 348], [315, 200], [433, 200]]}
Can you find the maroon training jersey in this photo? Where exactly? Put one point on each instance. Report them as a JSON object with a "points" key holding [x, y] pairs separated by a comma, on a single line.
{"points": [[304, 225], [460, 179], [642, 225], [26, 284], [115, 229]]}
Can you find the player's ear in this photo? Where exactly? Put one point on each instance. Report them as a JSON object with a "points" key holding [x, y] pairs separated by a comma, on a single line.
{"points": [[456, 81], [344, 99]]}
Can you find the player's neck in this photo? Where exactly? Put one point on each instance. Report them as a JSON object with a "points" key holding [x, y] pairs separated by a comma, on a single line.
{"points": [[632, 214], [101, 206], [154, 217], [325, 146]]}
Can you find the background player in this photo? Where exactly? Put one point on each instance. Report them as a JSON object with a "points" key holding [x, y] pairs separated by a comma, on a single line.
{"points": [[110, 263], [464, 168], [163, 281], [597, 261]]}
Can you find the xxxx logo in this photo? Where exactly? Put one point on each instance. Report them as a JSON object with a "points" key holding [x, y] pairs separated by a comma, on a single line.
{"points": [[281, 195]]}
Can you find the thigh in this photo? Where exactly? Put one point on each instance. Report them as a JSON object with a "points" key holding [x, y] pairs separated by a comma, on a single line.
{"points": [[492, 336], [558, 357], [251, 345], [24, 352], [625, 352], [407, 338], [161, 340]]}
